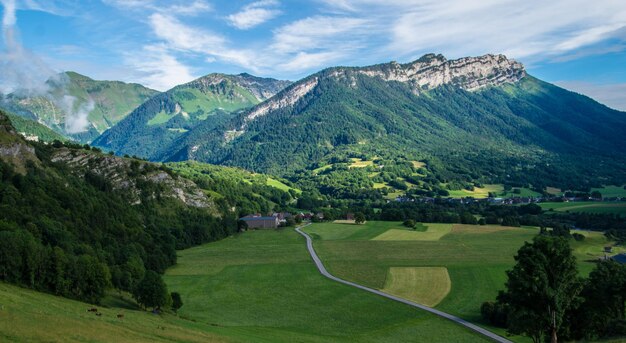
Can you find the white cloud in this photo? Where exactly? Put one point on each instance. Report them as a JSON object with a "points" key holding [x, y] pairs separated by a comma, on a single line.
{"points": [[254, 14], [157, 68], [461, 27], [320, 32], [304, 61], [167, 7], [612, 95], [183, 37], [8, 14]]}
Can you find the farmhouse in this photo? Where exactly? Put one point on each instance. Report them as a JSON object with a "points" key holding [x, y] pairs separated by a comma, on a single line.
{"points": [[258, 222]]}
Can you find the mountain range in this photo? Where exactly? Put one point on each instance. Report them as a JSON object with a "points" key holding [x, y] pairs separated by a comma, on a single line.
{"points": [[70, 95], [151, 128], [473, 119], [466, 121]]}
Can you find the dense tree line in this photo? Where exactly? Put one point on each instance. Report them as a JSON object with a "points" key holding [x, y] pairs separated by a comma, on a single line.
{"points": [[73, 235], [546, 300]]}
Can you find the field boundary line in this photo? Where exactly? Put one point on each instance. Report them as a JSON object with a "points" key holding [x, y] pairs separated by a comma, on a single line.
{"points": [[324, 272]]}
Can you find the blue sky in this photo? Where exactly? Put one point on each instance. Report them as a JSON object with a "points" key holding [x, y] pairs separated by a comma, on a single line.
{"points": [[578, 44]]}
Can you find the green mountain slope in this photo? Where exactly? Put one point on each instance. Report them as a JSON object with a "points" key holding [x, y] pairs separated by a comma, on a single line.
{"points": [[209, 100], [469, 120], [106, 102], [33, 129]]}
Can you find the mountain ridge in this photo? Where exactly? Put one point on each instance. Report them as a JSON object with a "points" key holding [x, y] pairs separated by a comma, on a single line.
{"points": [[496, 113], [210, 99]]}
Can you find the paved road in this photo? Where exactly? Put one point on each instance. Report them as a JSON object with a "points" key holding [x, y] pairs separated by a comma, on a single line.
{"points": [[323, 271]]}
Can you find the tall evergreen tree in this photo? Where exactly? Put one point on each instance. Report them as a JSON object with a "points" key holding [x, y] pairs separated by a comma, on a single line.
{"points": [[541, 288]]}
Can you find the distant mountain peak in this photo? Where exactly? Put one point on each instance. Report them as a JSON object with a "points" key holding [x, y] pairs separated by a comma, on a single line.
{"points": [[469, 73], [261, 88], [428, 72]]}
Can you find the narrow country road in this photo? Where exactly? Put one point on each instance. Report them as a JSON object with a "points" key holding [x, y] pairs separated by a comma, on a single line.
{"points": [[323, 271]]}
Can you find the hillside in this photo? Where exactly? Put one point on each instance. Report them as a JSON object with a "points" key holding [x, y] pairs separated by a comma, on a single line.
{"points": [[74, 221], [105, 103], [210, 100], [33, 129], [467, 121]]}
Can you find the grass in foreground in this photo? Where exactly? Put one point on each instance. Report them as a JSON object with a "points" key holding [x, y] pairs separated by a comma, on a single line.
{"points": [[262, 286], [476, 258], [29, 316], [257, 287]]}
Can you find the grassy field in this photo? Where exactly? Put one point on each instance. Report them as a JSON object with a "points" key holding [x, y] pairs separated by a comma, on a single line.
{"points": [[476, 257], [586, 207], [259, 286], [358, 163], [433, 232], [263, 287], [611, 191], [29, 316], [478, 193], [277, 184], [423, 285]]}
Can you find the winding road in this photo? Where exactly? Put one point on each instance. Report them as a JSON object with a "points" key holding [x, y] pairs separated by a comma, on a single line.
{"points": [[323, 271]]}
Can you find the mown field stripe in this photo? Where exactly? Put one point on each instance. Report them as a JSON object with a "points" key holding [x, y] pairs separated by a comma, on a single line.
{"points": [[324, 272]]}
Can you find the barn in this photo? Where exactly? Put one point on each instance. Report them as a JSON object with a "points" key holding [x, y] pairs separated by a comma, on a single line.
{"points": [[261, 222]]}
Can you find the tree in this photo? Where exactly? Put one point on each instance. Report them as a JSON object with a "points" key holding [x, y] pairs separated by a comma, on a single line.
{"points": [[359, 218], [177, 301], [151, 291], [410, 223], [541, 288], [603, 311]]}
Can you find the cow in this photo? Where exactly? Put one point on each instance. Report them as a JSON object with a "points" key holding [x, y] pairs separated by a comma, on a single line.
{"points": [[120, 316], [99, 314], [93, 309]]}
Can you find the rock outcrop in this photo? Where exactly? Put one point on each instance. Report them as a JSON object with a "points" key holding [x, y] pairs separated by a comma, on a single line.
{"points": [[127, 175]]}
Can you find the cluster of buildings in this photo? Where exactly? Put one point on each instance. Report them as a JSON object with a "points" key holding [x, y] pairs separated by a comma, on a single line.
{"points": [[277, 219]]}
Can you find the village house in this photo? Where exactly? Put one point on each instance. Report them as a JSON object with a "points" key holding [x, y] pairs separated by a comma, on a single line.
{"points": [[258, 222]]}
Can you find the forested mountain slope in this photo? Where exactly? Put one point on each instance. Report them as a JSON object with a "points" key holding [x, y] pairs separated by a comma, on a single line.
{"points": [[209, 100], [74, 221], [103, 103], [473, 119]]}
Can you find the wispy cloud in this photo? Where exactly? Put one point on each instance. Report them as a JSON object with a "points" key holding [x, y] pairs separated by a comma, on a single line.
{"points": [[157, 68], [168, 7], [254, 14]]}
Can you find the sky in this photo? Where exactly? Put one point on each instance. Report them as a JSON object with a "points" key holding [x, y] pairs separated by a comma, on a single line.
{"points": [[576, 44]]}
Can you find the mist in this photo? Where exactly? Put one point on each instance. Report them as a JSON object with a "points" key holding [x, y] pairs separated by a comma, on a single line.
{"points": [[24, 74]]}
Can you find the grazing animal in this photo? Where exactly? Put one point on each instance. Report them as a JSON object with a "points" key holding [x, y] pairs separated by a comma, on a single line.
{"points": [[99, 314], [93, 309], [120, 316]]}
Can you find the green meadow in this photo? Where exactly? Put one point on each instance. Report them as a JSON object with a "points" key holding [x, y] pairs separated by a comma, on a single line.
{"points": [[475, 258], [259, 286], [586, 207]]}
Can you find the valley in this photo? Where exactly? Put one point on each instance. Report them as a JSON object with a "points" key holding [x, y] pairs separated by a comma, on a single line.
{"points": [[469, 187]]}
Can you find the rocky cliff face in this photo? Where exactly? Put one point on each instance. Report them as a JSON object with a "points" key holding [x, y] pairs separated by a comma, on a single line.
{"points": [[469, 73], [126, 174], [428, 72], [13, 148]]}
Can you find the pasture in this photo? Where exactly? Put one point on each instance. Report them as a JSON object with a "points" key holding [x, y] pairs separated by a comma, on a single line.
{"points": [[478, 193], [261, 286], [29, 316], [586, 207], [423, 285], [475, 257]]}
